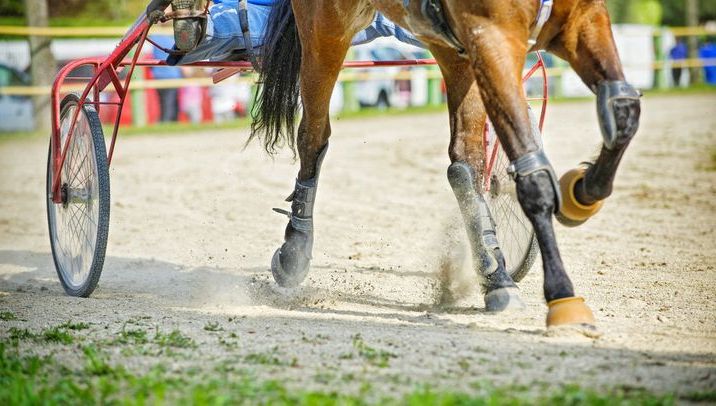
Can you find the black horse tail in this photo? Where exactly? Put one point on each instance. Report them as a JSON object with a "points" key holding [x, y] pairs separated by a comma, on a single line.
{"points": [[276, 104]]}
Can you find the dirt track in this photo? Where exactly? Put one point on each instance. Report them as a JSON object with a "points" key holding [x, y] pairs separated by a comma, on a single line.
{"points": [[192, 234]]}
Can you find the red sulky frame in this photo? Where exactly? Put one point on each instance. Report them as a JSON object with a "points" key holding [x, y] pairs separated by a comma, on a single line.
{"points": [[106, 72]]}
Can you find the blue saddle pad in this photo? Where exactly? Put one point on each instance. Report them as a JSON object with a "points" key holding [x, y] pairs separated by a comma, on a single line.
{"points": [[224, 38]]}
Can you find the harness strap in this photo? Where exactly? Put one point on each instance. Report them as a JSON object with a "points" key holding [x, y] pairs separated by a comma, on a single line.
{"points": [[246, 32], [544, 13], [434, 12]]}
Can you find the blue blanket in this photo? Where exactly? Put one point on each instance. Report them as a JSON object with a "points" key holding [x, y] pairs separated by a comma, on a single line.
{"points": [[223, 31]]}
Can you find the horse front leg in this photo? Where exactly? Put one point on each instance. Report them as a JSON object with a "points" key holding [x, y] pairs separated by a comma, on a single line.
{"points": [[497, 54], [588, 46], [467, 154]]}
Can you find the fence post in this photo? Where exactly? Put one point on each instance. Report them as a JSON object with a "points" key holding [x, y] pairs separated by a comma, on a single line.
{"points": [[660, 81], [435, 93], [350, 99], [139, 99]]}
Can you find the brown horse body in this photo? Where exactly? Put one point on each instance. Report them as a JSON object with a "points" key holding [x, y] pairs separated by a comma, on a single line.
{"points": [[307, 43]]}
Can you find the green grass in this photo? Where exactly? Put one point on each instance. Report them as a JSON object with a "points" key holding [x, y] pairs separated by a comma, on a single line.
{"points": [[57, 335], [29, 379], [8, 316], [269, 358], [373, 356], [68, 325], [18, 334], [175, 339], [132, 336], [213, 326]]}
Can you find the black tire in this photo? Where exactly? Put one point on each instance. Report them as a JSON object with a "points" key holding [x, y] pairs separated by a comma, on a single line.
{"points": [[509, 217], [84, 253]]}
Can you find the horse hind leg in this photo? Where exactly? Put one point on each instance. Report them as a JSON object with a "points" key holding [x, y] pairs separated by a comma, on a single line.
{"points": [[597, 62], [467, 120], [324, 47]]}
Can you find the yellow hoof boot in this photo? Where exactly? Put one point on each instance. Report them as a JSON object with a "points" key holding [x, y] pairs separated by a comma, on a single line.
{"points": [[569, 311], [573, 213]]}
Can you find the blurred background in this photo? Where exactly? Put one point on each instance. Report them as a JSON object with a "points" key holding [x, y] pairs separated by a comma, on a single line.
{"points": [[665, 45]]}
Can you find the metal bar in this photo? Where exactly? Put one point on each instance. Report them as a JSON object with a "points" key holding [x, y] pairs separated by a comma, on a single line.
{"points": [[123, 97], [224, 74], [58, 155], [96, 103], [247, 65], [104, 68]]}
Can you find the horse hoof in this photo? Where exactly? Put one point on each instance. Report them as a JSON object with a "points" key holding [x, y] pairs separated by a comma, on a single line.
{"points": [[503, 299], [570, 312], [287, 278], [573, 213]]}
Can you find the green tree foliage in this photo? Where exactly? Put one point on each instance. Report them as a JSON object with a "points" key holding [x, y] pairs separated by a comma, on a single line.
{"points": [[93, 9], [11, 8], [670, 12], [646, 11]]}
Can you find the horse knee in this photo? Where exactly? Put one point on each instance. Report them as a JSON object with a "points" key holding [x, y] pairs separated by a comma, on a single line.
{"points": [[537, 194], [619, 109], [537, 187]]}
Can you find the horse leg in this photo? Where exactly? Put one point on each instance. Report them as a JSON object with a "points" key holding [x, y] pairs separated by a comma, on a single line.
{"points": [[325, 34], [467, 154], [498, 71], [588, 46]]}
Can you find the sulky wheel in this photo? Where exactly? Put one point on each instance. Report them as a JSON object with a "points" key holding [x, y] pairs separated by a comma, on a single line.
{"points": [[80, 223]]}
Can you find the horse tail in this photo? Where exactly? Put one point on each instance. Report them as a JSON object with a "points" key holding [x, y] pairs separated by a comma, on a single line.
{"points": [[276, 103]]}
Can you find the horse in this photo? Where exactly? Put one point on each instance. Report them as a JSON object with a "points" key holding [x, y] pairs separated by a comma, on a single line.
{"points": [[480, 47]]}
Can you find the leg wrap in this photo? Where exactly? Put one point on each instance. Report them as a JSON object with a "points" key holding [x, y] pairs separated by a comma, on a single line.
{"points": [[572, 212], [532, 163], [618, 110], [480, 227], [291, 262]]}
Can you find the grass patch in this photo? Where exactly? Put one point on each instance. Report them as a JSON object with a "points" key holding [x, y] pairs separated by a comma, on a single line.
{"points": [[57, 335], [175, 339], [376, 357], [132, 336], [68, 325], [269, 358], [711, 166], [17, 334], [41, 380], [705, 397], [8, 316], [213, 326]]}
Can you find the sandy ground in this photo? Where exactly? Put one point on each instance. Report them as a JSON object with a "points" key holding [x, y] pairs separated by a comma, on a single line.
{"points": [[192, 234]]}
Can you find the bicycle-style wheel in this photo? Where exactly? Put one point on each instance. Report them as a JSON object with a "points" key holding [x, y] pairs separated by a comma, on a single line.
{"points": [[80, 223], [518, 242]]}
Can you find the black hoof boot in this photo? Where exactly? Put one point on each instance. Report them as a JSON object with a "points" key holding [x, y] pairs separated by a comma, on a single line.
{"points": [[501, 293], [291, 262]]}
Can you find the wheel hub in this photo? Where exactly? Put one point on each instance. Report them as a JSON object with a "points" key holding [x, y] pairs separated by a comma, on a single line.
{"points": [[64, 194], [495, 186]]}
